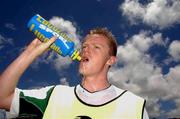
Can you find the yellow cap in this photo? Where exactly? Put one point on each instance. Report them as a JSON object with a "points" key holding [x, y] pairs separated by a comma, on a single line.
{"points": [[76, 56]]}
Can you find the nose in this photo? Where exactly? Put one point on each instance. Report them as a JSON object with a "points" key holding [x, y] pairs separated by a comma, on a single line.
{"points": [[85, 50]]}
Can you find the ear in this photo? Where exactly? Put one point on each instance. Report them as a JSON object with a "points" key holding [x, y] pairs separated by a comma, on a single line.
{"points": [[112, 60]]}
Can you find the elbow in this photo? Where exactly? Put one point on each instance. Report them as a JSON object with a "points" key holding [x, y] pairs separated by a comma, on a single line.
{"points": [[5, 102]]}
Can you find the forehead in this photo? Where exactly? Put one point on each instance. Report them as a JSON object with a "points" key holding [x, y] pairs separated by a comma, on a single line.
{"points": [[96, 38]]}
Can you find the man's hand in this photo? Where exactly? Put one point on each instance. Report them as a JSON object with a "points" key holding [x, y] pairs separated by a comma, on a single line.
{"points": [[36, 47]]}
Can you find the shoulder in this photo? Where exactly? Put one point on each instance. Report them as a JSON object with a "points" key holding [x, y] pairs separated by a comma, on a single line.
{"points": [[130, 98], [127, 94], [63, 94], [63, 88]]}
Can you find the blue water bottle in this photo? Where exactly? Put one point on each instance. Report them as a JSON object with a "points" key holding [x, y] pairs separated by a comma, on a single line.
{"points": [[45, 30]]}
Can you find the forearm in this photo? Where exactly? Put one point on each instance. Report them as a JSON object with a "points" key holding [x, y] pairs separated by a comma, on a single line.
{"points": [[10, 77]]}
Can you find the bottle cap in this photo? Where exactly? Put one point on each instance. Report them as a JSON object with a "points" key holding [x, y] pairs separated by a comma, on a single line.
{"points": [[75, 56]]}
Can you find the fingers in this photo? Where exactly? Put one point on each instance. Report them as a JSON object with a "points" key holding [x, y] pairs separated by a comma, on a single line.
{"points": [[36, 41], [49, 43], [41, 47], [52, 40]]}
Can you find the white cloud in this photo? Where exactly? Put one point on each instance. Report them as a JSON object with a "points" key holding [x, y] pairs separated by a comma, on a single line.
{"points": [[138, 72], [66, 26], [61, 62], [55, 60], [10, 26], [153, 107], [138, 45], [132, 9], [159, 13], [174, 50], [173, 78], [5, 41], [63, 81], [174, 74]]}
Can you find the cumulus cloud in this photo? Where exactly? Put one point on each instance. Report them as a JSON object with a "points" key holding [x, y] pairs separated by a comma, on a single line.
{"points": [[173, 78], [67, 27], [174, 74], [10, 26], [138, 72], [58, 62], [5, 41], [159, 13], [174, 50], [63, 81], [61, 62]]}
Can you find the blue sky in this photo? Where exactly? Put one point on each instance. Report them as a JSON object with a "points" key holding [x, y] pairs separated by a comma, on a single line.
{"points": [[147, 33]]}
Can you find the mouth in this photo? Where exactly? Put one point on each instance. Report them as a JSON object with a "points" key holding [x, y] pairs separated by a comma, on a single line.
{"points": [[85, 59]]}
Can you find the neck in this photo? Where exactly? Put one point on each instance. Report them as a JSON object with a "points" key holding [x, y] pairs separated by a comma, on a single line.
{"points": [[93, 84]]}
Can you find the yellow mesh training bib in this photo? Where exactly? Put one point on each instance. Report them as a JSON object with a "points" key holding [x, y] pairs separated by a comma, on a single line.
{"points": [[65, 104]]}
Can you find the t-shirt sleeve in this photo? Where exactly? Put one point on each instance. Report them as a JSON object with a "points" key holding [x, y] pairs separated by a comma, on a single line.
{"points": [[145, 114], [30, 103]]}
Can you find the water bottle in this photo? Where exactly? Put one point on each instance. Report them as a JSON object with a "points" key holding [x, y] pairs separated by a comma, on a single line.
{"points": [[45, 30]]}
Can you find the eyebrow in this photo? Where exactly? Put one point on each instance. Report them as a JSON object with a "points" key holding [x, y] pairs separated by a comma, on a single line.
{"points": [[93, 44]]}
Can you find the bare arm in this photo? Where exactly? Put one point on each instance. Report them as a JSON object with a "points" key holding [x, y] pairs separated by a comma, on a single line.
{"points": [[10, 77]]}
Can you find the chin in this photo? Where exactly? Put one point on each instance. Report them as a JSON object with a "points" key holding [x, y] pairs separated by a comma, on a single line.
{"points": [[82, 72]]}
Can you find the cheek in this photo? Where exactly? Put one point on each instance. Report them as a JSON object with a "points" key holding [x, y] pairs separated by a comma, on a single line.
{"points": [[99, 61]]}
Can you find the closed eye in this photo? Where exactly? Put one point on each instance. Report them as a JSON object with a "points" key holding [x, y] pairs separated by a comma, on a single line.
{"points": [[84, 46], [97, 47]]}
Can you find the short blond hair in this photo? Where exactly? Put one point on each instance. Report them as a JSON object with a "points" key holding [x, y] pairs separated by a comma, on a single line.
{"points": [[107, 34]]}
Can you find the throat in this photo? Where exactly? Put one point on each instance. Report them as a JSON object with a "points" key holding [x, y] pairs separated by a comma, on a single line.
{"points": [[96, 98], [94, 85]]}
